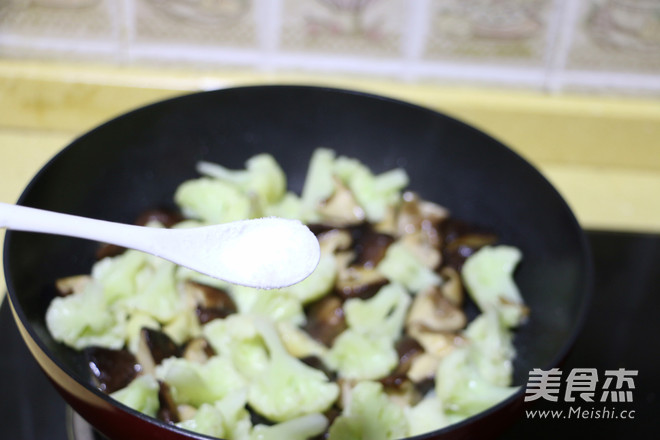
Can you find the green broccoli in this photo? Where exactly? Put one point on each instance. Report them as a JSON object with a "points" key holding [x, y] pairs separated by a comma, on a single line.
{"points": [[83, 319], [488, 277], [300, 428], [402, 266], [362, 356], [141, 395], [262, 179], [478, 375], [194, 384], [370, 415], [213, 201], [288, 388], [383, 314]]}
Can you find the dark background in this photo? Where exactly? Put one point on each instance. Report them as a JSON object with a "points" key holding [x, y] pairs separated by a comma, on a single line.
{"points": [[622, 330]]}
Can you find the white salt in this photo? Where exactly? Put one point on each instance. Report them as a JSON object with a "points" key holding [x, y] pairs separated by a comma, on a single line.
{"points": [[265, 253]]}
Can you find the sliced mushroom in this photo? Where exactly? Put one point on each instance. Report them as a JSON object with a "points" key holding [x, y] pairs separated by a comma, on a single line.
{"points": [[407, 348], [345, 391], [404, 393], [452, 286], [167, 410], [209, 302], [370, 246], [325, 319], [186, 412], [423, 368], [75, 283], [317, 362], [462, 239], [165, 216], [106, 250], [419, 245], [111, 369], [341, 208], [198, 350], [436, 344], [358, 282], [417, 215], [153, 348], [335, 240], [430, 310]]}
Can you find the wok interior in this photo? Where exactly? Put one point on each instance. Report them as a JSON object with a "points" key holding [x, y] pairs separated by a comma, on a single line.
{"points": [[138, 160]]}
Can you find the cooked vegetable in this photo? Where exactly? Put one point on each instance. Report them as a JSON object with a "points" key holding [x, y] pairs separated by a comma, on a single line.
{"points": [[141, 395], [375, 344], [488, 276], [369, 415], [288, 388]]}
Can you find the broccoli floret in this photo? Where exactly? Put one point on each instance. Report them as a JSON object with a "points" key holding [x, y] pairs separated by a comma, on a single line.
{"points": [[288, 388], [370, 415], [194, 384], [237, 338], [318, 283], [299, 343], [118, 274], [384, 313], [213, 201], [374, 193], [84, 319], [427, 415], [262, 179], [477, 376], [362, 356], [319, 182], [300, 428], [157, 295], [402, 266], [226, 418], [141, 395], [488, 276]]}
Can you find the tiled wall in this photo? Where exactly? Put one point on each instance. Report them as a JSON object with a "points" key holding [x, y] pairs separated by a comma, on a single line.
{"points": [[608, 46]]}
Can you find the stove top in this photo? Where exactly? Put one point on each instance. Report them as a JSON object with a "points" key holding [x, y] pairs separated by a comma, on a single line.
{"points": [[621, 332]]}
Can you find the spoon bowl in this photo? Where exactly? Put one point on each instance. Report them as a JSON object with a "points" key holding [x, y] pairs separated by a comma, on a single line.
{"points": [[265, 253]]}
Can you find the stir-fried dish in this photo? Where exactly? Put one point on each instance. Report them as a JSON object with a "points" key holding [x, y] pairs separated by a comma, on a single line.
{"points": [[375, 344]]}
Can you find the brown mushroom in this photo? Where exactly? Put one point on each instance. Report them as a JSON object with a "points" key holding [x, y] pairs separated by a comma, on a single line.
{"points": [[167, 217], [341, 208], [404, 393], [420, 216], [432, 311], [359, 282], [423, 368], [198, 350], [167, 410], [75, 283], [335, 240], [209, 302], [106, 250], [460, 240], [111, 369], [154, 347], [452, 286], [369, 246], [325, 319]]}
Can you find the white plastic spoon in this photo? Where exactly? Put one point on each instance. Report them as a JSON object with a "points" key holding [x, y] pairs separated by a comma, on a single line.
{"points": [[266, 253]]}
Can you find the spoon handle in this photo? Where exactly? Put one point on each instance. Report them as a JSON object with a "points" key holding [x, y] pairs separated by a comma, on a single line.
{"points": [[22, 218]]}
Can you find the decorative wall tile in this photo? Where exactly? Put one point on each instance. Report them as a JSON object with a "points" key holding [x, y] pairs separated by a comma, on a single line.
{"points": [[58, 19], [222, 23], [550, 45], [617, 36], [504, 31], [357, 27]]}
